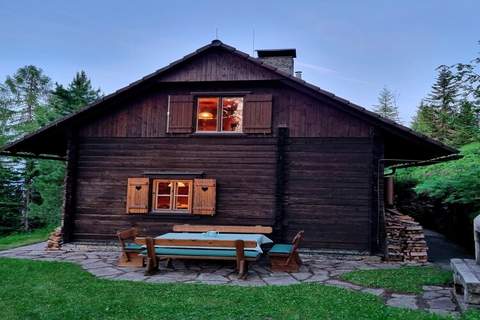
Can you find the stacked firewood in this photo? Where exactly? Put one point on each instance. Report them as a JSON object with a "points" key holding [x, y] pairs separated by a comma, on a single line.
{"points": [[405, 238], [55, 240]]}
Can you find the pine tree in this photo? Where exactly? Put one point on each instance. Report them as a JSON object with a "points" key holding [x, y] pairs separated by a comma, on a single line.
{"points": [[443, 100], [387, 106], [466, 124], [23, 93], [10, 179], [27, 90], [77, 95], [424, 119]]}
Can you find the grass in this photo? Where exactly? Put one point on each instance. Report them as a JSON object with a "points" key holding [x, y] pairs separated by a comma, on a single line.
{"points": [[24, 238], [60, 290], [404, 279]]}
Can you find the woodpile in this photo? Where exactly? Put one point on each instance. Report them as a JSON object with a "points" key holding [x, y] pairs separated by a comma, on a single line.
{"points": [[405, 238], [55, 240]]}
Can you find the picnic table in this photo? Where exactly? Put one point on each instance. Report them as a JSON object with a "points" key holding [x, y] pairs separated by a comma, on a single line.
{"points": [[238, 247], [260, 239]]}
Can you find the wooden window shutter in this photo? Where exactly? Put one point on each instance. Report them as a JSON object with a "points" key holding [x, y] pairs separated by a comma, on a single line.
{"points": [[180, 114], [204, 196], [137, 195], [257, 113]]}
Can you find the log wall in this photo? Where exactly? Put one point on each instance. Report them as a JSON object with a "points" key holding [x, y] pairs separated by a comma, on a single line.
{"points": [[326, 188]]}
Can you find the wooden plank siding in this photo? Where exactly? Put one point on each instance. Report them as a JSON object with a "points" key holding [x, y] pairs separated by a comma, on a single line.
{"points": [[146, 116], [243, 167], [215, 65], [327, 192]]}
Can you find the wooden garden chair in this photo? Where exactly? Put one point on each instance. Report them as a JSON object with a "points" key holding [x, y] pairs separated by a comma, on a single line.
{"points": [[129, 256], [284, 257]]}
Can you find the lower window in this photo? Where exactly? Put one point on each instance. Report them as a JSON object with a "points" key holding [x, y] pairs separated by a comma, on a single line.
{"points": [[172, 196]]}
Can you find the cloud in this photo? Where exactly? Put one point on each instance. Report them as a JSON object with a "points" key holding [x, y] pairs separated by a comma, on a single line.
{"points": [[334, 73], [316, 67]]}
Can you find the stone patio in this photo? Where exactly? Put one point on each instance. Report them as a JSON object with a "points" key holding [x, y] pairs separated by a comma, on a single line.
{"points": [[101, 261]]}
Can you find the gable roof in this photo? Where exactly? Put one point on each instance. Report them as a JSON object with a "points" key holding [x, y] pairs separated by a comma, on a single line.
{"points": [[57, 129]]}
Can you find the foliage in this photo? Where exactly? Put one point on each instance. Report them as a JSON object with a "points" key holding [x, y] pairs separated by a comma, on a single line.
{"points": [[446, 196], [31, 190], [59, 290], [404, 279], [387, 105], [466, 124], [451, 112], [423, 121], [26, 90], [10, 197], [22, 95], [49, 175], [435, 116], [24, 238], [453, 182], [48, 184], [65, 101]]}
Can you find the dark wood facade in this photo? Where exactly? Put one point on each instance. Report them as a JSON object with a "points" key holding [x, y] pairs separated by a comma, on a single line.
{"points": [[316, 166]]}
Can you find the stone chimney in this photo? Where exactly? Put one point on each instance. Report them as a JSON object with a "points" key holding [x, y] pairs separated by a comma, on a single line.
{"points": [[281, 59]]}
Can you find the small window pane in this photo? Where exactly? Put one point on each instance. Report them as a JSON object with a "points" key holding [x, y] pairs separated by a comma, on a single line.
{"points": [[163, 202], [182, 188], [207, 114], [182, 202], [232, 112], [164, 187]]}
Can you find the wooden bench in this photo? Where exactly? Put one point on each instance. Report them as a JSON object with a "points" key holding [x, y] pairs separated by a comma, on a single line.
{"points": [[284, 257], [233, 250], [129, 256], [222, 229]]}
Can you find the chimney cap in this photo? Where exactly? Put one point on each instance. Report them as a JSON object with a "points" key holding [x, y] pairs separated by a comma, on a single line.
{"points": [[277, 53]]}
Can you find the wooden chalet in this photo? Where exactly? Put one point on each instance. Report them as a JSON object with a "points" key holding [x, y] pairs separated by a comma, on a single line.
{"points": [[220, 137]]}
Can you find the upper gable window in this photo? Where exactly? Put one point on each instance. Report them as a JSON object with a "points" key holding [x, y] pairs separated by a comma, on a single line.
{"points": [[219, 114]]}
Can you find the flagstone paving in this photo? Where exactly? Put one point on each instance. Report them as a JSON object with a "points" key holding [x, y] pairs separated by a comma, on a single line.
{"points": [[101, 261]]}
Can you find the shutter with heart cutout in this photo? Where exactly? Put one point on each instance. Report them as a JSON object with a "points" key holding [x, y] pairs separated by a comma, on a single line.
{"points": [[204, 196], [137, 195]]}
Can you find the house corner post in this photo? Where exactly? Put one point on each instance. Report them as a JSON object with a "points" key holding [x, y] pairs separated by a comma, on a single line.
{"points": [[69, 189], [281, 175]]}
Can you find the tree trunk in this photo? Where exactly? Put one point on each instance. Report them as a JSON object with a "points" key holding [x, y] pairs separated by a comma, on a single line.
{"points": [[27, 194]]}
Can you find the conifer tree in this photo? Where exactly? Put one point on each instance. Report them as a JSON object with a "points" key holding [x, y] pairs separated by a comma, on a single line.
{"points": [[443, 100], [387, 106], [23, 93], [424, 119]]}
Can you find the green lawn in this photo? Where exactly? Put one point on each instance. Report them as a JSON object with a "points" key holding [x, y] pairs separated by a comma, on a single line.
{"points": [[24, 238], [59, 290], [405, 279]]}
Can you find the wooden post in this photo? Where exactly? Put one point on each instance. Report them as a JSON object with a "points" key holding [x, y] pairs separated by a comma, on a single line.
{"points": [[242, 267], [278, 227], [69, 190], [152, 261]]}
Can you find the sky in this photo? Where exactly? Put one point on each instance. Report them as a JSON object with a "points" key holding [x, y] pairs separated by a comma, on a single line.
{"points": [[351, 48]]}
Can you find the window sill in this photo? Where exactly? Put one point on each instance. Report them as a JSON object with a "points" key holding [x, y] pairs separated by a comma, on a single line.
{"points": [[171, 213], [173, 216], [216, 134]]}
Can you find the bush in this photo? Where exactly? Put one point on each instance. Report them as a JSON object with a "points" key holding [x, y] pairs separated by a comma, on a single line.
{"points": [[445, 196]]}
